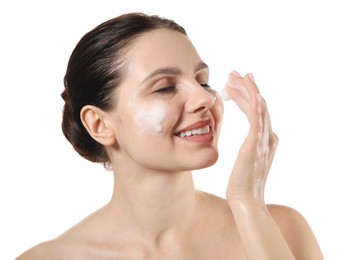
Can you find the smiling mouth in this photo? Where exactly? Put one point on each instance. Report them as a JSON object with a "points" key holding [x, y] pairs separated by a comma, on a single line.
{"points": [[199, 131]]}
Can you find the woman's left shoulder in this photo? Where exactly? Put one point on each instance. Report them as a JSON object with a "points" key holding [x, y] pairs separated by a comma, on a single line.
{"points": [[296, 230], [282, 212], [286, 216], [289, 220]]}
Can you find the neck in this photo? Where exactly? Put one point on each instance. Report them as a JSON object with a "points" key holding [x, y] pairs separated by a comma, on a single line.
{"points": [[154, 204]]}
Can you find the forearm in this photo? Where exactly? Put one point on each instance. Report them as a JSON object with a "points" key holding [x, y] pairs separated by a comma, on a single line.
{"points": [[260, 236]]}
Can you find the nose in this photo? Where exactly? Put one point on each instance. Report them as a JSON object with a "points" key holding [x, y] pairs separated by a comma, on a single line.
{"points": [[199, 99]]}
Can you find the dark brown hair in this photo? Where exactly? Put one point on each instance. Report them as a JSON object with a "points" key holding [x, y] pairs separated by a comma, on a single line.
{"points": [[95, 70]]}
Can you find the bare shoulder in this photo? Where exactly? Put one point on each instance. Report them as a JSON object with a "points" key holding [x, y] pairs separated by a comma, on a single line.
{"points": [[296, 230], [288, 219], [75, 243], [68, 246], [47, 250]]}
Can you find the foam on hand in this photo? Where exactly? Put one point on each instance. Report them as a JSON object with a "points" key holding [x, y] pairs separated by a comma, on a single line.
{"points": [[224, 94]]}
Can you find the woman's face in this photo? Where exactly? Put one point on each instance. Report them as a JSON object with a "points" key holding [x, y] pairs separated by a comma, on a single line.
{"points": [[166, 118]]}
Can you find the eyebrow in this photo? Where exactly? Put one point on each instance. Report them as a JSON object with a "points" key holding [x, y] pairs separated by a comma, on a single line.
{"points": [[173, 71], [200, 66]]}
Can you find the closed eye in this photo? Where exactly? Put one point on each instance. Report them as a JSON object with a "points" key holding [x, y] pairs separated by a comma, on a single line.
{"points": [[208, 88], [166, 90], [171, 89], [205, 85]]}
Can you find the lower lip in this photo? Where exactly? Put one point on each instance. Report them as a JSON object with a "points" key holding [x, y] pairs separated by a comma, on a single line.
{"points": [[206, 138]]}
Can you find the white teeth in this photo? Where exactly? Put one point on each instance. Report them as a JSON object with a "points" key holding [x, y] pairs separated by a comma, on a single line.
{"points": [[199, 131]]}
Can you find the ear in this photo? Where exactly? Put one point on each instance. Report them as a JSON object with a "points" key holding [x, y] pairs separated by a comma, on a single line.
{"points": [[94, 120]]}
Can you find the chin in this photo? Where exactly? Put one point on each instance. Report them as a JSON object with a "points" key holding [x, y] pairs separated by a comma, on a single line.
{"points": [[205, 162]]}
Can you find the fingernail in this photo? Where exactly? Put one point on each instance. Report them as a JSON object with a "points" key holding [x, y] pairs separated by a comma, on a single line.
{"points": [[234, 72], [250, 75]]}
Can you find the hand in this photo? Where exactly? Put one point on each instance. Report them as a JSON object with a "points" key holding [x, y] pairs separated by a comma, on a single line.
{"points": [[249, 174]]}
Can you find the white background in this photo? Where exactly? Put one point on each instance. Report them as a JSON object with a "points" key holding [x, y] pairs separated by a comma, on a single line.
{"points": [[291, 47]]}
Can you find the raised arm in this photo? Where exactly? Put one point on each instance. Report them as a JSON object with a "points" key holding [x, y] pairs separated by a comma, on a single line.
{"points": [[264, 234]]}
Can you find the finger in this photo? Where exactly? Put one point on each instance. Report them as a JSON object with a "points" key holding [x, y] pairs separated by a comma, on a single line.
{"points": [[254, 91], [256, 116], [267, 120], [236, 81], [260, 132], [251, 85], [238, 98], [267, 138], [246, 85]]}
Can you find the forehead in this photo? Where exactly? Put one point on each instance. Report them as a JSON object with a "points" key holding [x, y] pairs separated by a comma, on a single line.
{"points": [[163, 48]]}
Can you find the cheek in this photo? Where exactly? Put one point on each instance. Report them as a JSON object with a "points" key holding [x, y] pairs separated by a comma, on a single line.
{"points": [[150, 118]]}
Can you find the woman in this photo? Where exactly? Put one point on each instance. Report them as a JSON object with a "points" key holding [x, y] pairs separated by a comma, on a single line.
{"points": [[137, 100]]}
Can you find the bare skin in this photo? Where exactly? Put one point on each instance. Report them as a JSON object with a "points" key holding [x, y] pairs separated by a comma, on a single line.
{"points": [[212, 235], [155, 211]]}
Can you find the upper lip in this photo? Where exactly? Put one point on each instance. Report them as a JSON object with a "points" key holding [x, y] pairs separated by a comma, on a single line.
{"points": [[197, 125]]}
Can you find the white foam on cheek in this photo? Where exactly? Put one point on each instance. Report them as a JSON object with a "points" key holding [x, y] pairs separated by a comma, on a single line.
{"points": [[150, 118]]}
